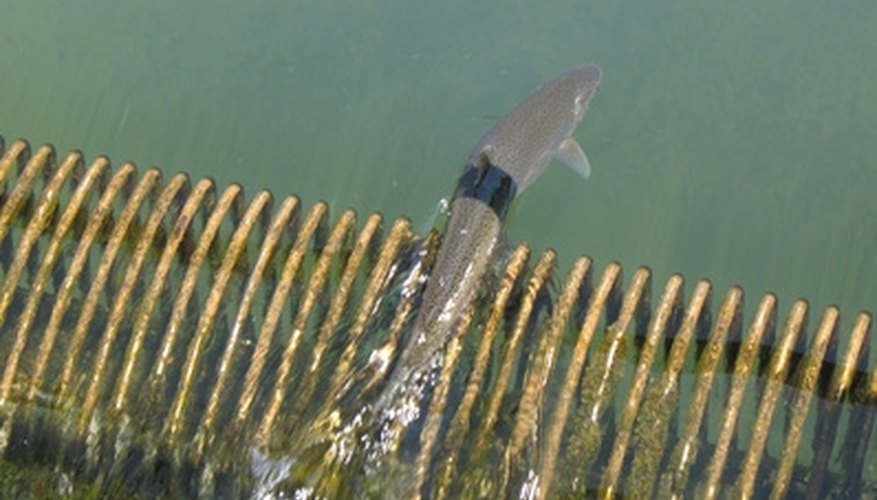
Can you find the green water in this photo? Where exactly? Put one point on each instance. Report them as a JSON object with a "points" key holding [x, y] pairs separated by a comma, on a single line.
{"points": [[730, 140]]}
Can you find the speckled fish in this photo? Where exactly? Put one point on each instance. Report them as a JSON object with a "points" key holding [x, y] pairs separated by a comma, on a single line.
{"points": [[505, 162]]}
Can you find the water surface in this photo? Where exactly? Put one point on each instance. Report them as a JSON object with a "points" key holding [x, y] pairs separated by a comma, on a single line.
{"points": [[734, 141]]}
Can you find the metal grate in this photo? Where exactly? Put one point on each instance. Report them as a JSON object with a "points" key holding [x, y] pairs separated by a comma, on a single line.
{"points": [[159, 336]]}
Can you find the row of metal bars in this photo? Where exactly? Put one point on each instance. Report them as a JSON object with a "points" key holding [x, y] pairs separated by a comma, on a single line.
{"points": [[189, 315]]}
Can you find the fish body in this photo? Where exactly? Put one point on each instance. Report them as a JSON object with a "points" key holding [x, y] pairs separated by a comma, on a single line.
{"points": [[359, 432], [505, 162]]}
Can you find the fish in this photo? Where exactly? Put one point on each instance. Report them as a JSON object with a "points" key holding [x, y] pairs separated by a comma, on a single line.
{"points": [[506, 161], [367, 419]]}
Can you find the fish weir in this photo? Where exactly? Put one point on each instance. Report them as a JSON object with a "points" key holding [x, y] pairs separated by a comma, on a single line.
{"points": [[162, 337]]}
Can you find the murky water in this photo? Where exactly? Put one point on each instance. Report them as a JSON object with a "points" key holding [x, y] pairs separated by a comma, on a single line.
{"points": [[733, 141]]}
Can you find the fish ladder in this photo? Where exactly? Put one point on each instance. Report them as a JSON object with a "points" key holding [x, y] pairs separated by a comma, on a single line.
{"points": [[160, 336]]}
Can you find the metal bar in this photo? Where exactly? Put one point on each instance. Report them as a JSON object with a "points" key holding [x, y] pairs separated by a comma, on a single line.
{"points": [[154, 332]]}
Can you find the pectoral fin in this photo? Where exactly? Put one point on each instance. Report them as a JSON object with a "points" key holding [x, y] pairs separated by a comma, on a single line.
{"points": [[571, 154]]}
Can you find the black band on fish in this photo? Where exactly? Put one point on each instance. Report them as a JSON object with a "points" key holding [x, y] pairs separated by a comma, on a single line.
{"points": [[489, 184]]}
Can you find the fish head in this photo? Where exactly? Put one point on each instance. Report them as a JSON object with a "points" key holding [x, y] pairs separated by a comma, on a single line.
{"points": [[586, 80], [524, 141]]}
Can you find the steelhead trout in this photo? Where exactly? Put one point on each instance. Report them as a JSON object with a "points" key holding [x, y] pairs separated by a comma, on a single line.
{"points": [[360, 429], [504, 163]]}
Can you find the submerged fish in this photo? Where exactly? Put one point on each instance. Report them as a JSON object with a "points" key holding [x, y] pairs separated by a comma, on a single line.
{"points": [[505, 162], [357, 432]]}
